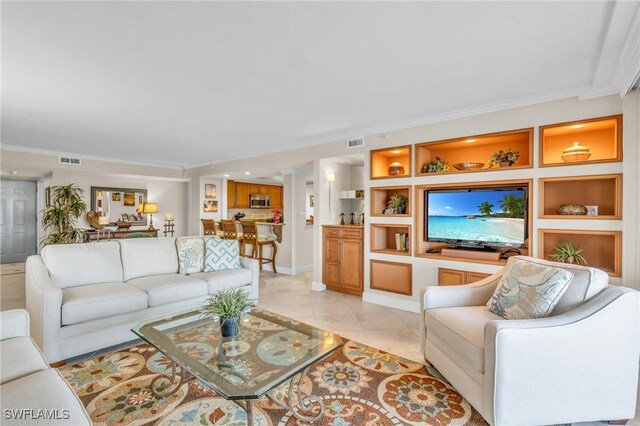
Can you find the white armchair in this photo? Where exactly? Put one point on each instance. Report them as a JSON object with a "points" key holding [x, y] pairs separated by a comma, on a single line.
{"points": [[579, 364]]}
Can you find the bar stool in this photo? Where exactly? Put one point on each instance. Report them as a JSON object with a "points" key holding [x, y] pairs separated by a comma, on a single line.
{"points": [[209, 226], [230, 232], [251, 236]]}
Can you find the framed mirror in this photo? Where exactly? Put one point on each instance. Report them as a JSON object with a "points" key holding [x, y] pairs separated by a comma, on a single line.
{"points": [[119, 204]]}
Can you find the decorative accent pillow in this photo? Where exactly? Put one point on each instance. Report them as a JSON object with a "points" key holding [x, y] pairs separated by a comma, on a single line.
{"points": [[221, 255], [528, 290], [190, 255]]}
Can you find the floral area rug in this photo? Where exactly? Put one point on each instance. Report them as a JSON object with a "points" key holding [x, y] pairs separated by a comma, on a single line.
{"points": [[360, 385]]}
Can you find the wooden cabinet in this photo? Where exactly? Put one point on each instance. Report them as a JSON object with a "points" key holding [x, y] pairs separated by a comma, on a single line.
{"points": [[231, 194], [242, 195], [342, 259], [276, 197], [458, 277]]}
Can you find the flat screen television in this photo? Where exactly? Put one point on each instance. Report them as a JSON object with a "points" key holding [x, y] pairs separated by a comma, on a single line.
{"points": [[477, 216]]}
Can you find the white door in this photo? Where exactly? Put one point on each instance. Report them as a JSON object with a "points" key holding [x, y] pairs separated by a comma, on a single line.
{"points": [[17, 220]]}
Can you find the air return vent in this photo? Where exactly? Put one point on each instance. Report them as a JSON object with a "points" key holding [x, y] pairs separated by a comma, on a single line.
{"points": [[355, 143], [69, 160]]}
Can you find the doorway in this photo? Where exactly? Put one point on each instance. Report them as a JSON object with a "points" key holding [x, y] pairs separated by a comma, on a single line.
{"points": [[17, 220]]}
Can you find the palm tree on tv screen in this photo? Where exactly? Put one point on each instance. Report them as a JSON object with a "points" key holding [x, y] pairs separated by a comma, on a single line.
{"points": [[512, 206], [485, 208]]}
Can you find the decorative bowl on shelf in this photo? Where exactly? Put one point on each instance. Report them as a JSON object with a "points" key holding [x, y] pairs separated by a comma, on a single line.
{"points": [[396, 169], [572, 210], [467, 166], [123, 224], [576, 152]]}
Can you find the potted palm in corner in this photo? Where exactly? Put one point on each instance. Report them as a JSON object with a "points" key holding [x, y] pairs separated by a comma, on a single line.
{"points": [[60, 217], [227, 306]]}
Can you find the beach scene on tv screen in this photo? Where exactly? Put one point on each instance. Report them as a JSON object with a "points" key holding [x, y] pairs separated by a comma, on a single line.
{"points": [[491, 216]]}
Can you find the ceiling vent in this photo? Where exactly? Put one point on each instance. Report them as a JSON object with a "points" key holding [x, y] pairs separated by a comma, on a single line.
{"points": [[355, 143], [69, 161]]}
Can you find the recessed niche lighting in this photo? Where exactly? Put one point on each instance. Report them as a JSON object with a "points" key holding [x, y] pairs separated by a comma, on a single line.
{"points": [[247, 173], [470, 141], [396, 151], [577, 126], [226, 175]]}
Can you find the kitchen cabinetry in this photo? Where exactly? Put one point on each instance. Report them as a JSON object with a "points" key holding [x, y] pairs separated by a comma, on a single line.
{"points": [[238, 194], [458, 277], [342, 258]]}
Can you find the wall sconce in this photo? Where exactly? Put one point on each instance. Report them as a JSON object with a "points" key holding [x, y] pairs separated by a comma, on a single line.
{"points": [[330, 177]]}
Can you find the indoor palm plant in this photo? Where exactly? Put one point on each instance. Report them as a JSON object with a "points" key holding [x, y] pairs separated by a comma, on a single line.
{"points": [[568, 252], [398, 202], [61, 215], [228, 306]]}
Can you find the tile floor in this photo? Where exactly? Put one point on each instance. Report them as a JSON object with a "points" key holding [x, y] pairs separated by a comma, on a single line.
{"points": [[386, 328]]}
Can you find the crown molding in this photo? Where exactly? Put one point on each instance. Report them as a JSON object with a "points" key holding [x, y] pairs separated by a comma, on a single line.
{"points": [[628, 65], [54, 153]]}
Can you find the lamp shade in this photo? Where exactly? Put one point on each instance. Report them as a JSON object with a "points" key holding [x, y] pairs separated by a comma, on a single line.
{"points": [[103, 220], [139, 209], [149, 208], [330, 177]]}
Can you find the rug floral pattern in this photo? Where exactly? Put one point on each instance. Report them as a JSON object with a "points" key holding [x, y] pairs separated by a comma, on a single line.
{"points": [[360, 385]]}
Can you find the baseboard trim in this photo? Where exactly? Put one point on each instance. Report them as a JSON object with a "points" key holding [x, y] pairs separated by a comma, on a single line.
{"points": [[392, 302], [289, 271], [318, 286]]}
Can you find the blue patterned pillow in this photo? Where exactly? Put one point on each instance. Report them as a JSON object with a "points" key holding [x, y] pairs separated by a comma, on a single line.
{"points": [[529, 290], [221, 255]]}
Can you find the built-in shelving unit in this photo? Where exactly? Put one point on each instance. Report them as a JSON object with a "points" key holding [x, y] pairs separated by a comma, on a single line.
{"points": [[601, 249], [476, 149], [602, 191], [389, 239], [394, 277], [391, 162], [380, 198], [602, 136]]}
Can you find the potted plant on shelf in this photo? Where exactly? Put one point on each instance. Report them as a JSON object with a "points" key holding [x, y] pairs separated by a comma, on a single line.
{"points": [[398, 202], [504, 158], [60, 217], [436, 165], [568, 252], [227, 306]]}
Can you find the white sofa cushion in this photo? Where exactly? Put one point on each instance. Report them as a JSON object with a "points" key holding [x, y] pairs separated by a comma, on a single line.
{"points": [[168, 288], [20, 357], [148, 256], [89, 302], [43, 390], [70, 265], [190, 254], [528, 290], [220, 280], [462, 328]]}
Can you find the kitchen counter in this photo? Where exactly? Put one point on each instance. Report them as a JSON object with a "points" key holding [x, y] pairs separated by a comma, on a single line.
{"points": [[276, 228]]}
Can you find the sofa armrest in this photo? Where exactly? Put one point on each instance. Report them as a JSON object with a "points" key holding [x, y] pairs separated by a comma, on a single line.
{"points": [[14, 323], [44, 303], [254, 267], [582, 364], [474, 294]]}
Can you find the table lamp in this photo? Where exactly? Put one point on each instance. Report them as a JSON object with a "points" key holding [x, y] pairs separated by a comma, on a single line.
{"points": [[150, 208]]}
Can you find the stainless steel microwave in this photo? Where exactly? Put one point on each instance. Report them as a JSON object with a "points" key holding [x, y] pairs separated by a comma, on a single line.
{"points": [[258, 201]]}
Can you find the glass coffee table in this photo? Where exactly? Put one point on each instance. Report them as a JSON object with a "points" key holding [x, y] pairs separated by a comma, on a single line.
{"points": [[269, 350]]}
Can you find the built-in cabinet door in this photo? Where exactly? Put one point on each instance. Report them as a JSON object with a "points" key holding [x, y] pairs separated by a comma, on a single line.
{"points": [[276, 196], [231, 194], [242, 195], [473, 277], [332, 276], [332, 250], [351, 264], [451, 277]]}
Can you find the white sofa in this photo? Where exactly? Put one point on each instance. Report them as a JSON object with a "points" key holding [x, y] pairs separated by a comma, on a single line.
{"points": [[32, 393], [579, 364], [85, 297]]}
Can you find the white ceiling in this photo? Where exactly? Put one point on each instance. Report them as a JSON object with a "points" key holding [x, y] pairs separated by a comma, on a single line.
{"points": [[189, 83]]}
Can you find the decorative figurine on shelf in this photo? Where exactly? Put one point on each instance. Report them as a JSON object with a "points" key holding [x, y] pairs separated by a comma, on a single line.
{"points": [[341, 218], [362, 218], [168, 225], [277, 216], [396, 169], [576, 152], [352, 216]]}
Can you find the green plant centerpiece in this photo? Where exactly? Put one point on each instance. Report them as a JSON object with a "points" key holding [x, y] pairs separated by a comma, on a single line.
{"points": [[398, 202], [568, 252], [436, 165], [60, 217], [504, 158], [228, 306]]}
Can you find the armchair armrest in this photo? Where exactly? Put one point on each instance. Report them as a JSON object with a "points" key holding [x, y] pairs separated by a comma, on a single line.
{"points": [[254, 267], [590, 351], [44, 303], [14, 323], [474, 294]]}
